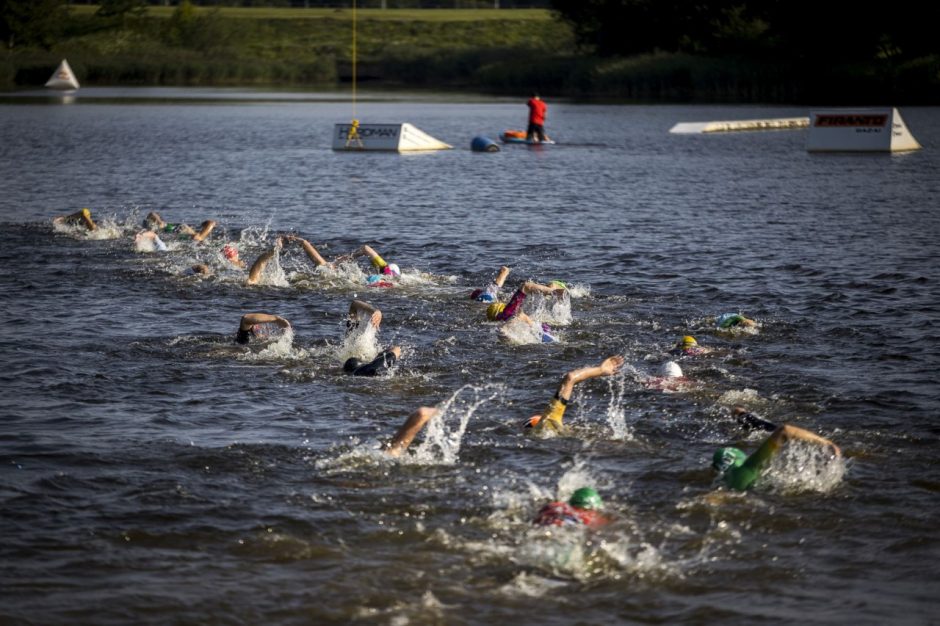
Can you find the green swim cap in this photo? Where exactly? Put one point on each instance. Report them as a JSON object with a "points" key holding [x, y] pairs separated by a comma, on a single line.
{"points": [[586, 498], [728, 457], [557, 284]]}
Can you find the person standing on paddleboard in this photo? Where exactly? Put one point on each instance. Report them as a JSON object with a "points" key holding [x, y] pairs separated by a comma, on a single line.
{"points": [[537, 111]]}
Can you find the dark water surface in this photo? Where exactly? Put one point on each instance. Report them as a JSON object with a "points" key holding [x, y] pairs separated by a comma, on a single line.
{"points": [[153, 472]]}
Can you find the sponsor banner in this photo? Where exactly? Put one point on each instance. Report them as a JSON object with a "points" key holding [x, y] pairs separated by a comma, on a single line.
{"points": [[371, 136]]}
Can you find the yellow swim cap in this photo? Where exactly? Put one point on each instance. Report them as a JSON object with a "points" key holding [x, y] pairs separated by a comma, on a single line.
{"points": [[86, 212], [688, 341], [494, 309]]}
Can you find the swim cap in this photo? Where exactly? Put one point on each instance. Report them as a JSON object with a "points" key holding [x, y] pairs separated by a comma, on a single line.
{"points": [[476, 293], [494, 309], [727, 320], [351, 364], [557, 284], [670, 369], [687, 342], [391, 268], [726, 458], [586, 498], [230, 252]]}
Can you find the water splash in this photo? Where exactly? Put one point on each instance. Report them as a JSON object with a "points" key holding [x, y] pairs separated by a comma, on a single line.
{"points": [[361, 342], [802, 466], [521, 332], [444, 432], [280, 349], [616, 409]]}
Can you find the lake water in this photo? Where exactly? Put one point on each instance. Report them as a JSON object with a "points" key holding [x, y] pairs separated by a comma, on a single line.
{"points": [[155, 472]]}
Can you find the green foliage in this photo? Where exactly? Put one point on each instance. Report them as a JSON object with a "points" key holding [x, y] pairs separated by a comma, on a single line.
{"points": [[121, 8], [31, 22]]}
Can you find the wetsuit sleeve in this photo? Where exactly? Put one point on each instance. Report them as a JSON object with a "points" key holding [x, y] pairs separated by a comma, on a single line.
{"points": [[378, 365], [378, 263], [512, 307], [752, 422], [740, 478]]}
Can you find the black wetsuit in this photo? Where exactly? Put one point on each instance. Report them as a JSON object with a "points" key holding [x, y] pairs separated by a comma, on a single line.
{"points": [[752, 422], [244, 337], [378, 365]]}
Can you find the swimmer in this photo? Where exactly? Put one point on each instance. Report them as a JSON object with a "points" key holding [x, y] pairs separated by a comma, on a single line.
{"points": [[552, 419], [739, 471], [501, 312], [688, 346], [359, 311], [583, 507], [148, 241], [257, 268], [384, 271], [199, 269], [377, 366], [726, 321], [512, 310], [79, 218], [250, 326], [153, 221], [409, 430], [670, 377], [490, 293], [230, 252]]}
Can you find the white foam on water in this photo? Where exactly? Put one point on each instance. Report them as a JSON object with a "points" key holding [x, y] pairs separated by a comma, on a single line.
{"points": [[803, 466]]}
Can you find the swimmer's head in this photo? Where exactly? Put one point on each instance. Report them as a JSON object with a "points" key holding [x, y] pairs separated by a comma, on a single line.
{"points": [[391, 269], [687, 342], [494, 309], [533, 421], [726, 458], [476, 293], [230, 252], [557, 284], [586, 498], [351, 364], [670, 369], [727, 320]]}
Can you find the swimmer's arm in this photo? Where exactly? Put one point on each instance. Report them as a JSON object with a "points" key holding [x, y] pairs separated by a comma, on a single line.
{"points": [[607, 367], [531, 286], [772, 445], [409, 430], [358, 309], [254, 274], [207, 227], [312, 252], [377, 261], [501, 277], [250, 319]]}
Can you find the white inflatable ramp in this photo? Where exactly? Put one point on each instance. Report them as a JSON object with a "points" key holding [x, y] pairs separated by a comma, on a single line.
{"points": [[859, 130], [384, 138], [63, 77], [781, 123]]}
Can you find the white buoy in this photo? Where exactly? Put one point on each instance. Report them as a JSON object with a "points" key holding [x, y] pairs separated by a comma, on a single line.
{"points": [[859, 130], [63, 77], [384, 138]]}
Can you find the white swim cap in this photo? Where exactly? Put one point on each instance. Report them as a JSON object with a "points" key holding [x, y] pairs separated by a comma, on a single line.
{"points": [[391, 268], [670, 369]]}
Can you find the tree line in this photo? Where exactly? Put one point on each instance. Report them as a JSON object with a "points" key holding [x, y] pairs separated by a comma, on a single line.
{"points": [[813, 31]]}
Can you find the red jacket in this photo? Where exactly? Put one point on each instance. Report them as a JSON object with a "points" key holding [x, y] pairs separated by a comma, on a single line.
{"points": [[537, 110]]}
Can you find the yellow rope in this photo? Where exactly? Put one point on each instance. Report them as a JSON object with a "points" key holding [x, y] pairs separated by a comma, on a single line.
{"points": [[354, 60]]}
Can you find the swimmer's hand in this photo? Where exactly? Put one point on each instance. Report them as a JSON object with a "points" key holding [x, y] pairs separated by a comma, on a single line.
{"points": [[610, 365]]}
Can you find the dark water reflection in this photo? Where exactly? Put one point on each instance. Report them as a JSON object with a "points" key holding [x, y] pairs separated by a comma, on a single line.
{"points": [[154, 474]]}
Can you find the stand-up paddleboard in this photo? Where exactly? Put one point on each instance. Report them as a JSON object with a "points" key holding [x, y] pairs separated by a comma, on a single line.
{"points": [[518, 136], [63, 78]]}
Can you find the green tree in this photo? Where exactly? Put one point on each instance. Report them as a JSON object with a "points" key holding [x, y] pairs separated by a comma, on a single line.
{"points": [[120, 9], [31, 22]]}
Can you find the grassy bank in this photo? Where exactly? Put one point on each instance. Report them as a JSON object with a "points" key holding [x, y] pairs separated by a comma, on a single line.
{"points": [[496, 51]]}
